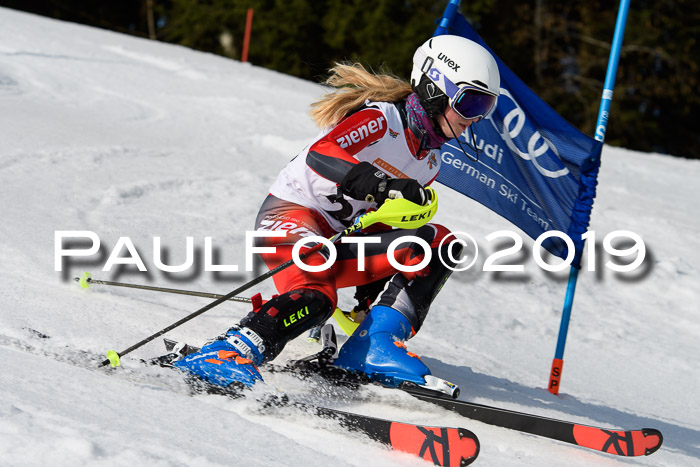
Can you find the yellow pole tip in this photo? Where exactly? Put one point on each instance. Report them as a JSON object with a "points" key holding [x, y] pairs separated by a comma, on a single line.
{"points": [[113, 358], [85, 280]]}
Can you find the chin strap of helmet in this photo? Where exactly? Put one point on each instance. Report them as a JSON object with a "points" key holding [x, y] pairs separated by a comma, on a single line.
{"points": [[471, 146]]}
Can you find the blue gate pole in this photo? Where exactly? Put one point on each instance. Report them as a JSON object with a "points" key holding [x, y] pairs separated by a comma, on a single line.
{"points": [[451, 10], [601, 126]]}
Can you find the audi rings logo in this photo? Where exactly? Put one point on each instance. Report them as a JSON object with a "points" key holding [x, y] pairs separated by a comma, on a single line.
{"points": [[524, 140]]}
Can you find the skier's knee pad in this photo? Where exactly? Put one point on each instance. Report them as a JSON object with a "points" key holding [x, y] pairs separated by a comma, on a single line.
{"points": [[286, 316]]}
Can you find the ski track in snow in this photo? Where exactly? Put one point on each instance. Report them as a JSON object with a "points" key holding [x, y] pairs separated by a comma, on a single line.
{"points": [[128, 137]]}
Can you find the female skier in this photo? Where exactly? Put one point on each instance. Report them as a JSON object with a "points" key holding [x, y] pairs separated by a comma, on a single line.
{"points": [[379, 141]]}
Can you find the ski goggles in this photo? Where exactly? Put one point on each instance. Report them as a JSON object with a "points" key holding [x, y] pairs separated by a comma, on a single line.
{"points": [[470, 103]]}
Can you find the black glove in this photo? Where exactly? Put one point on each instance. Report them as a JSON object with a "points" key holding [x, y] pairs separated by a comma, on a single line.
{"points": [[406, 188], [366, 182]]}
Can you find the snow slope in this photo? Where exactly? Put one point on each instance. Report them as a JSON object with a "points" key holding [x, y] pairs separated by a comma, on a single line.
{"points": [[131, 138]]}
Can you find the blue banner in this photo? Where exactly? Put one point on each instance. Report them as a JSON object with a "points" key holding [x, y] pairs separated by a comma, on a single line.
{"points": [[535, 169]]}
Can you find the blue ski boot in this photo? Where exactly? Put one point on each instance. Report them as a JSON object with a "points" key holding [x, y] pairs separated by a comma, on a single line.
{"points": [[376, 349], [231, 359]]}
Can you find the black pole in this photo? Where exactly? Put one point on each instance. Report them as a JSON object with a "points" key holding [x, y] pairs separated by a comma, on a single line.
{"points": [[162, 289], [229, 295]]}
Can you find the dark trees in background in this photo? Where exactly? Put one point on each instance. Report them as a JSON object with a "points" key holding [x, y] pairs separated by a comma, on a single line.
{"points": [[560, 49]]}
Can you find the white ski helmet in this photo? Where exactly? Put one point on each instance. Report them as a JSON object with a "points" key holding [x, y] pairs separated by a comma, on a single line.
{"points": [[454, 71]]}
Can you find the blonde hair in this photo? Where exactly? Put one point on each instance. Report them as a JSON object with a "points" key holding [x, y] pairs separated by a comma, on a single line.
{"points": [[355, 85]]}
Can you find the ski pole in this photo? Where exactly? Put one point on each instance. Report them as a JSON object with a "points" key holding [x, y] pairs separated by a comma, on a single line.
{"points": [[113, 357], [397, 213], [87, 279]]}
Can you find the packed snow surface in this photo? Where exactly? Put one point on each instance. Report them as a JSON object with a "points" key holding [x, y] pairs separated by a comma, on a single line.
{"points": [[126, 137]]}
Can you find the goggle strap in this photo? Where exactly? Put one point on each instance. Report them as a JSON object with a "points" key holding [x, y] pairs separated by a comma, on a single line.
{"points": [[421, 57]]}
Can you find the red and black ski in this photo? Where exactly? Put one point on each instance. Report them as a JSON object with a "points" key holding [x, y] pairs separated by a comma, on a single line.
{"points": [[641, 442], [439, 445]]}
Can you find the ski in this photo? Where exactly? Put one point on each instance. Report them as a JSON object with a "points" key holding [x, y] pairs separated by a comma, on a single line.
{"points": [[641, 442], [628, 443], [442, 446], [439, 445]]}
